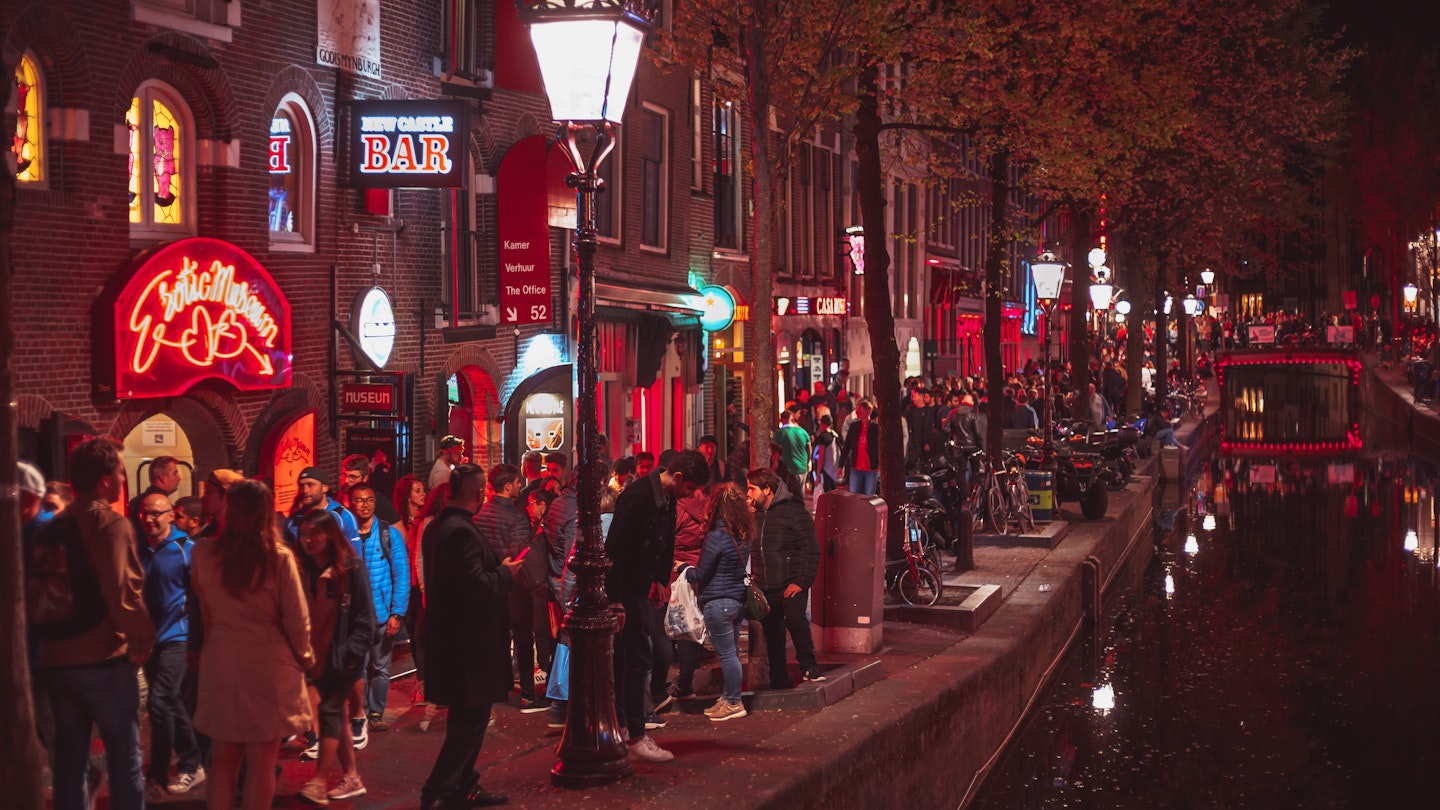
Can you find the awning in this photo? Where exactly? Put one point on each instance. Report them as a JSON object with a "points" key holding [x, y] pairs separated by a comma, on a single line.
{"points": [[678, 298]]}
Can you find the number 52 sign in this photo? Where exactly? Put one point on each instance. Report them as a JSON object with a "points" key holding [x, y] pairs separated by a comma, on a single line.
{"points": [[524, 234]]}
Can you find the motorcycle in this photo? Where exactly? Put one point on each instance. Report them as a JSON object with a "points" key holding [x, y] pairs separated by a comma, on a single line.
{"points": [[1077, 477]]}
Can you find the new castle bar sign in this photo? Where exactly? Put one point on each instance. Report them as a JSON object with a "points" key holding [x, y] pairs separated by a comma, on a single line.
{"points": [[188, 311], [407, 144]]}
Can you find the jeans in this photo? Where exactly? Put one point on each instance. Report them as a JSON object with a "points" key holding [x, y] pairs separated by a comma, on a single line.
{"points": [[634, 658], [864, 482], [530, 629], [170, 729], [377, 672], [722, 622], [104, 696], [788, 614]]}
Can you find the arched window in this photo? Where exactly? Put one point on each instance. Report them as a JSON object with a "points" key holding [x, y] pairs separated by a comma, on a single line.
{"points": [[162, 160], [29, 142], [291, 211]]}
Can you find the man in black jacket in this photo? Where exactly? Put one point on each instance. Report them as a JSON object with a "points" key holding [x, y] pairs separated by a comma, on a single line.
{"points": [[502, 521], [789, 558], [641, 547], [466, 638]]}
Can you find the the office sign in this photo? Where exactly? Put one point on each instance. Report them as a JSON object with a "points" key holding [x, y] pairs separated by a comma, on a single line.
{"points": [[407, 144]]}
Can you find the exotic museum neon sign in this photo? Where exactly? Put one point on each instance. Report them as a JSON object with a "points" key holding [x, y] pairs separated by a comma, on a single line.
{"points": [[199, 309]]}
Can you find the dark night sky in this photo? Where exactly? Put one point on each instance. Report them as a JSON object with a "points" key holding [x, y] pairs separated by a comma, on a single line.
{"points": [[1379, 21]]}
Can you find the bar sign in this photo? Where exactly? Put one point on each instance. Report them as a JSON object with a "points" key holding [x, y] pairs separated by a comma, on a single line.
{"points": [[367, 398]]}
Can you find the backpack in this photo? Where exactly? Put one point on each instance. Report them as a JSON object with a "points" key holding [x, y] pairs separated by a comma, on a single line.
{"points": [[62, 596]]}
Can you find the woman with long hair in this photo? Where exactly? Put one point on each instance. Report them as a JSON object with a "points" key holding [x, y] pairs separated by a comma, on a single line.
{"points": [[409, 499], [720, 579], [256, 646], [341, 632]]}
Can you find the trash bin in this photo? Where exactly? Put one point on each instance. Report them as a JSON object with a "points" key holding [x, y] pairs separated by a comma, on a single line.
{"points": [[1042, 494], [847, 603]]}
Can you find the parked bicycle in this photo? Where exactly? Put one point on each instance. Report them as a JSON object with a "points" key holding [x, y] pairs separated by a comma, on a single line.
{"points": [[911, 577], [1017, 494], [919, 514]]}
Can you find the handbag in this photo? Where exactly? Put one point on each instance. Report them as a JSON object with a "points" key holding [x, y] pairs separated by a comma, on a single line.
{"points": [[757, 606], [557, 686], [683, 618]]}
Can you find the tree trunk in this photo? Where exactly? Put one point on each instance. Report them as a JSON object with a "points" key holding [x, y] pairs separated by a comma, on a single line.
{"points": [[1135, 342], [879, 317], [761, 351], [996, 260], [20, 766], [1162, 332], [1081, 240]]}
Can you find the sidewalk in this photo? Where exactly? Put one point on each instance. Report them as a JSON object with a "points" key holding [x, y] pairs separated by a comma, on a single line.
{"points": [[911, 725]]}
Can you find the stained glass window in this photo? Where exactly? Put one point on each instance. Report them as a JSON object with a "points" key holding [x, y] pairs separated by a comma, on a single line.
{"points": [[29, 141], [158, 179]]}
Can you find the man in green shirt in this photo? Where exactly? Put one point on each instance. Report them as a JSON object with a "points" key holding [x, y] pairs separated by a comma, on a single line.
{"points": [[794, 444]]}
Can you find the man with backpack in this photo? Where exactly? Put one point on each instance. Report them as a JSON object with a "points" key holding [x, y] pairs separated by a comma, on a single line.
{"points": [[83, 589], [383, 549], [314, 495]]}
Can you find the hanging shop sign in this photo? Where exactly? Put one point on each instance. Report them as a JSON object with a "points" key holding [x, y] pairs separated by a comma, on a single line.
{"points": [[524, 224], [374, 321], [407, 144], [369, 398], [811, 305], [192, 310], [719, 308], [287, 450]]}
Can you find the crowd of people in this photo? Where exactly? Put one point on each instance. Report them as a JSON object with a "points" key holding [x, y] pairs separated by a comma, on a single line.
{"points": [[259, 625]]}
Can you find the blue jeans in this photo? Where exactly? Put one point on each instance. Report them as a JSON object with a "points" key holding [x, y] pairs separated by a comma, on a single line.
{"points": [[170, 730], [377, 672], [722, 622], [864, 482], [104, 696]]}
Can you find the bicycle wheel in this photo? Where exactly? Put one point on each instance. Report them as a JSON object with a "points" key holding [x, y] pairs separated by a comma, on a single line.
{"points": [[995, 513], [1020, 504], [919, 586]]}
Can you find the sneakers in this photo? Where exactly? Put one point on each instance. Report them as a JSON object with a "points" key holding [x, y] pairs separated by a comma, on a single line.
{"points": [[663, 701], [312, 750], [645, 750], [314, 794], [533, 703], [377, 722], [155, 792], [653, 721], [726, 710], [360, 732], [186, 782], [815, 675], [555, 715], [349, 788], [540, 677]]}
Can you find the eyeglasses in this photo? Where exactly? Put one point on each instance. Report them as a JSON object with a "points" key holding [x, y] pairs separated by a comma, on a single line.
{"points": [[148, 515], [362, 500]]}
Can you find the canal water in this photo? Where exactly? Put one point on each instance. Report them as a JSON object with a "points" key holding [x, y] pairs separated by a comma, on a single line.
{"points": [[1276, 645]]}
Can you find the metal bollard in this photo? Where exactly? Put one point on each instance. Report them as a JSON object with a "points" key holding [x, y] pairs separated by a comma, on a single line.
{"points": [[964, 543]]}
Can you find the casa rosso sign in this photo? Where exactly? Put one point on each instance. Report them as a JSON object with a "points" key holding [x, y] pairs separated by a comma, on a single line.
{"points": [[407, 144], [194, 310]]}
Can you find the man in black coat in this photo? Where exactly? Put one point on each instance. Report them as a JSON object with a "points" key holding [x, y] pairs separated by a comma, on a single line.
{"points": [[789, 557], [467, 640], [641, 547]]}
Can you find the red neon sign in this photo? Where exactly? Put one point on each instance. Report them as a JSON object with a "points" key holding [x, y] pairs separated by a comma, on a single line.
{"points": [[199, 309]]}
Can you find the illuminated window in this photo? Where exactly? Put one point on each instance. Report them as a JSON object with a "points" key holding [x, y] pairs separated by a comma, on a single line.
{"points": [[160, 182], [29, 141], [291, 205]]}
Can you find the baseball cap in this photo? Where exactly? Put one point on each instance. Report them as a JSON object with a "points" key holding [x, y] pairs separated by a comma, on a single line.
{"points": [[314, 473], [30, 479], [224, 479], [451, 441]]}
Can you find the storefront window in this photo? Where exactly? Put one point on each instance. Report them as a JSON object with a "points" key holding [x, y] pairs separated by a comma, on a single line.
{"points": [[160, 159], [29, 141]]}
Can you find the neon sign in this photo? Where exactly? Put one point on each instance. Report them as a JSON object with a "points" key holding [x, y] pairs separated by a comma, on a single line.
{"points": [[407, 144], [198, 309]]}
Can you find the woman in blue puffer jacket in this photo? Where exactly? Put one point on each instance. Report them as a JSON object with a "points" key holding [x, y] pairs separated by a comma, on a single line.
{"points": [[720, 580]]}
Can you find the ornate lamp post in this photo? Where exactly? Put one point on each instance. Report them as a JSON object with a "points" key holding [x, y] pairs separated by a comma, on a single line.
{"points": [[1412, 297], [588, 51], [1048, 273]]}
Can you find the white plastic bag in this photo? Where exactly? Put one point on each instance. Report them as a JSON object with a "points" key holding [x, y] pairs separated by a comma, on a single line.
{"points": [[683, 618]]}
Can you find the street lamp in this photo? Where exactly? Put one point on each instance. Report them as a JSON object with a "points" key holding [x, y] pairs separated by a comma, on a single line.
{"points": [[1412, 295], [1048, 274], [588, 51], [1207, 277], [1193, 306]]}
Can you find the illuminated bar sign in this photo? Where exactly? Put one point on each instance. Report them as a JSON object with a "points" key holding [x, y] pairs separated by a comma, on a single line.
{"points": [[407, 144], [192, 310], [808, 305]]}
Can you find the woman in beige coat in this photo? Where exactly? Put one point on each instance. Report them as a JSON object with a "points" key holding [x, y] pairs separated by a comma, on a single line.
{"points": [[255, 648]]}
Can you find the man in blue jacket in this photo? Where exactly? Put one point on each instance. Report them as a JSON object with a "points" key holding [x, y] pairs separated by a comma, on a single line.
{"points": [[383, 550], [314, 486], [165, 558]]}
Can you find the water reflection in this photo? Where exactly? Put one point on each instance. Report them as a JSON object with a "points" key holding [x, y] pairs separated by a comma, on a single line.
{"points": [[1279, 649]]}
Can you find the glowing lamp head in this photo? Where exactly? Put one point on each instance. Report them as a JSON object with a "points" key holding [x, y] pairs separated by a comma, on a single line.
{"points": [[1193, 305], [1096, 257], [1412, 294], [588, 51], [1122, 307], [1207, 277], [1412, 540], [1208, 523], [1100, 296], [1048, 273], [1192, 545]]}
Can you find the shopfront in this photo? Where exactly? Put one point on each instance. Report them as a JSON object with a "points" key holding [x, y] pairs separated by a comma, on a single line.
{"points": [[807, 347], [193, 311], [540, 414]]}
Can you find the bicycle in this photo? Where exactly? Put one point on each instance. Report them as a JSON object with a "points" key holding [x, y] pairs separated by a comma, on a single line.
{"points": [[911, 577], [1017, 494], [987, 500], [917, 521]]}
